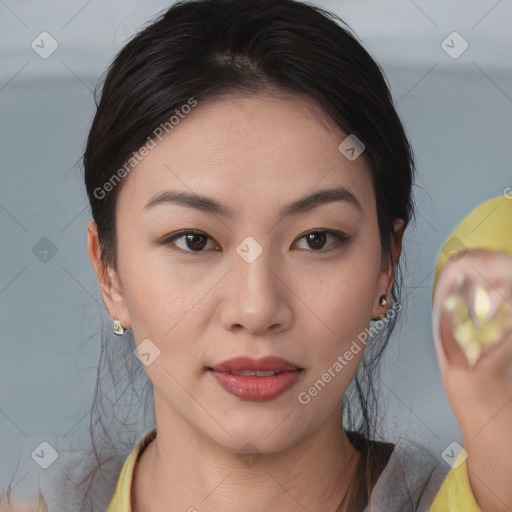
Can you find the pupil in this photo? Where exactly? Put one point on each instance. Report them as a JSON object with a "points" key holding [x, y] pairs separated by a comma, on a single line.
{"points": [[193, 240], [313, 237]]}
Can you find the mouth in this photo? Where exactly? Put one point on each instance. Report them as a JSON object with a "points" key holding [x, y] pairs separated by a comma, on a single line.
{"points": [[256, 380], [257, 373]]}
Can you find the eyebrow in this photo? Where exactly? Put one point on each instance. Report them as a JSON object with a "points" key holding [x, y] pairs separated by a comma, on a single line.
{"points": [[210, 205]]}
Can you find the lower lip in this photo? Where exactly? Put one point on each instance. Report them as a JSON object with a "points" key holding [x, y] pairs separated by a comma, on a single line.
{"points": [[257, 389]]}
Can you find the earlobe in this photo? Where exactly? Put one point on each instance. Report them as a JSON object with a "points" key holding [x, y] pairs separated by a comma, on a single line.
{"points": [[111, 292]]}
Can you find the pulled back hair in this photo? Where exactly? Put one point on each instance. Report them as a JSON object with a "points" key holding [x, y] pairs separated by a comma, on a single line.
{"points": [[199, 50]]}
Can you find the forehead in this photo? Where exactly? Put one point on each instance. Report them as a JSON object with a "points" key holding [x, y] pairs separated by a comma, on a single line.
{"points": [[261, 149]]}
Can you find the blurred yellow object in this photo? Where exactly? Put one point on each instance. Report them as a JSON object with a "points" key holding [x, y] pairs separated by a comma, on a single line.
{"points": [[488, 226]]}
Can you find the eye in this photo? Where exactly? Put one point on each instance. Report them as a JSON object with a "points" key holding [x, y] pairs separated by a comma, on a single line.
{"points": [[316, 239], [193, 241]]}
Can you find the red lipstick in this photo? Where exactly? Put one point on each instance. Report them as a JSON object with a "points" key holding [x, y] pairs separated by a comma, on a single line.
{"points": [[256, 380]]}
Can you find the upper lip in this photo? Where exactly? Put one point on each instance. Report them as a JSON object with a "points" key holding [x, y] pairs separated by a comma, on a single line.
{"points": [[268, 363]]}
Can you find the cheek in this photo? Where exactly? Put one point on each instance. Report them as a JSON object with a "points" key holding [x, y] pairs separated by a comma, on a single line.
{"points": [[345, 309], [339, 315], [344, 297], [154, 290], [171, 304], [344, 316]]}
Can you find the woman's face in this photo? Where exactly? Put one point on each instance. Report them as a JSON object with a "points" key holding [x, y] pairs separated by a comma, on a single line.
{"points": [[269, 289]]}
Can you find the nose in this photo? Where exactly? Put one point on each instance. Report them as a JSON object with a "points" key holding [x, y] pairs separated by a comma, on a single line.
{"points": [[258, 296]]}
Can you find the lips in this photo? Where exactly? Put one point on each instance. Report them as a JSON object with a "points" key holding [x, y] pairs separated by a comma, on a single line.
{"points": [[253, 366], [256, 380]]}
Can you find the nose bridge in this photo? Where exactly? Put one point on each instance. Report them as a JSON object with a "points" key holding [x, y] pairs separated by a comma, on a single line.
{"points": [[255, 268], [258, 301]]}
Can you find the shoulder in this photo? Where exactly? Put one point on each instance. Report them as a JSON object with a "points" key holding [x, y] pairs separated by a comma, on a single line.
{"points": [[410, 481], [77, 482], [455, 492], [122, 494]]}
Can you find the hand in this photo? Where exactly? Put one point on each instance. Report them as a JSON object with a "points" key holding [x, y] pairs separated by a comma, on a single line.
{"points": [[473, 313], [472, 324]]}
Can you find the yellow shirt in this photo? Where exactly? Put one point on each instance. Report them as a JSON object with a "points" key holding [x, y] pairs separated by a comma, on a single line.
{"points": [[489, 226], [122, 496]]}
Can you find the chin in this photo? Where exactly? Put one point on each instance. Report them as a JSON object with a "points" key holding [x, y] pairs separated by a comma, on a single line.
{"points": [[266, 432]]}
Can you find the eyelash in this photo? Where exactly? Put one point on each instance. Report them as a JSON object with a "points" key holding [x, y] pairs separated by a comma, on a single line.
{"points": [[341, 238]]}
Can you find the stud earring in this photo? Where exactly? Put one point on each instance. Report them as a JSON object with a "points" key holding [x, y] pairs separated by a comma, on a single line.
{"points": [[118, 329], [382, 302]]}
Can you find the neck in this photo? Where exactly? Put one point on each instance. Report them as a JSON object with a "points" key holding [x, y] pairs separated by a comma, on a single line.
{"points": [[195, 474]]}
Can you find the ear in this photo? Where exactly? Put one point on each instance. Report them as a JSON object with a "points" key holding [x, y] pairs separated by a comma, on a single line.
{"points": [[111, 291], [388, 266]]}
